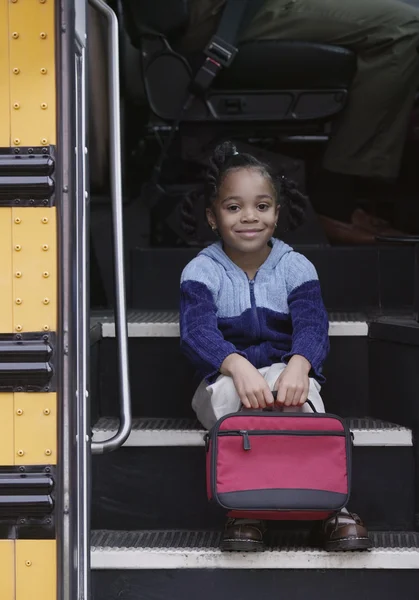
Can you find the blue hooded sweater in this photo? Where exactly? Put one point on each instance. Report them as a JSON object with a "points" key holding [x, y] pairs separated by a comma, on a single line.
{"points": [[267, 320]]}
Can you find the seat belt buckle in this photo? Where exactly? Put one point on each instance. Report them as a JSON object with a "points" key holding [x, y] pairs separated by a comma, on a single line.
{"points": [[204, 77], [219, 55], [220, 51]]}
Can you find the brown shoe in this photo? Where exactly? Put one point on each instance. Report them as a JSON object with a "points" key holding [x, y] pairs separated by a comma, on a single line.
{"points": [[243, 535], [346, 234], [343, 532], [360, 218]]}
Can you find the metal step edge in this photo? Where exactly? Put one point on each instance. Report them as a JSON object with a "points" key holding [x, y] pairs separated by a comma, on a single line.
{"points": [[199, 550], [172, 432], [166, 324]]}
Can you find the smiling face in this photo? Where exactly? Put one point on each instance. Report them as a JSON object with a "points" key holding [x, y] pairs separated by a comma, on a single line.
{"points": [[245, 211]]}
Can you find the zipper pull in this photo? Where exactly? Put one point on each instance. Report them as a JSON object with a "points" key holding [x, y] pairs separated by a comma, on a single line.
{"points": [[206, 441], [246, 441]]}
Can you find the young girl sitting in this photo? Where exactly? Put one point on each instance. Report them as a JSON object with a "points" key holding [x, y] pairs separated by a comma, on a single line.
{"points": [[252, 319]]}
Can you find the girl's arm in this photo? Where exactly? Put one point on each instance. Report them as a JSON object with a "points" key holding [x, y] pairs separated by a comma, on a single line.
{"points": [[200, 338], [310, 322], [205, 346]]}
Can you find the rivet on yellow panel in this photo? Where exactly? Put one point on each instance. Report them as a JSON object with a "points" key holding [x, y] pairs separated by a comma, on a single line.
{"points": [[6, 287], [37, 256], [33, 52], [7, 570], [7, 455], [35, 429], [36, 562]]}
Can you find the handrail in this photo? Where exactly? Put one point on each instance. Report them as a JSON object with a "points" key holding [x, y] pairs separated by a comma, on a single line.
{"points": [[125, 423]]}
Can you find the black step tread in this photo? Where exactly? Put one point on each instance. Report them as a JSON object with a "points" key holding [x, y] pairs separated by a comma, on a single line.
{"points": [[208, 540], [172, 316], [141, 424]]}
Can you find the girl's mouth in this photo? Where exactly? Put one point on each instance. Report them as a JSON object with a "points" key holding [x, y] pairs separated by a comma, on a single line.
{"points": [[248, 233]]}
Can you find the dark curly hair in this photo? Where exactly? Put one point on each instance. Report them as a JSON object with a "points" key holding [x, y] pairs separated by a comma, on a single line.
{"points": [[226, 158]]}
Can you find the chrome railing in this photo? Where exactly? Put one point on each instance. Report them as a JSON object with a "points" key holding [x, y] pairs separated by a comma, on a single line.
{"points": [[125, 423]]}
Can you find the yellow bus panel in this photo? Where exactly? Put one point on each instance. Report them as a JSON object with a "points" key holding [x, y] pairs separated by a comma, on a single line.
{"points": [[34, 269], [6, 311], [35, 570], [7, 570], [4, 75], [35, 425], [7, 454], [32, 79]]}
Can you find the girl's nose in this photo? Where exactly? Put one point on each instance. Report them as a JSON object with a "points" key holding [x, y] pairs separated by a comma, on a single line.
{"points": [[249, 216]]}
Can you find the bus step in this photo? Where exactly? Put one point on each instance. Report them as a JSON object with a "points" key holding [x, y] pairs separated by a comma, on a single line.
{"points": [[165, 323], [189, 432], [179, 549]]}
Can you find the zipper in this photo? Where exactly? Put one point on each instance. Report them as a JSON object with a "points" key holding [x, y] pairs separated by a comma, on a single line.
{"points": [[246, 440], [254, 307], [255, 316]]}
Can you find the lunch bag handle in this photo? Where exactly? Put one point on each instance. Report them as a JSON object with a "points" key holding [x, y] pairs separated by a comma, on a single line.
{"points": [[309, 402]]}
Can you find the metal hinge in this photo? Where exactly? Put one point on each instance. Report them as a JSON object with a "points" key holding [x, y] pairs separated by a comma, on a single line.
{"points": [[27, 176]]}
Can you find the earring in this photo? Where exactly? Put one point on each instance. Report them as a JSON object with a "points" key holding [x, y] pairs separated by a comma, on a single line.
{"points": [[215, 230]]}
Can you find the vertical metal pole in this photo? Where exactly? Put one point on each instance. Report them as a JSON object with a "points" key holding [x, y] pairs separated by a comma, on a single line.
{"points": [[82, 299], [66, 348], [125, 421]]}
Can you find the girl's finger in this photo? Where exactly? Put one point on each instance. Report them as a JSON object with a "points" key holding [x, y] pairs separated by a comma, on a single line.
{"points": [[245, 401], [289, 396], [261, 399], [253, 400], [269, 399], [281, 395], [298, 397]]}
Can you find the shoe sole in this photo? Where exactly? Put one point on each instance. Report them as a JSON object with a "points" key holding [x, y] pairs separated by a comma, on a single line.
{"points": [[242, 546], [350, 544]]}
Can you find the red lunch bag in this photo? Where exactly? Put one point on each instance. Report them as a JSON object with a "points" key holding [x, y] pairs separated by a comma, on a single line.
{"points": [[276, 465]]}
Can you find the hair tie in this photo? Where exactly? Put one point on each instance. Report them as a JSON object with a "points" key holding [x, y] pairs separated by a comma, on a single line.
{"points": [[235, 152]]}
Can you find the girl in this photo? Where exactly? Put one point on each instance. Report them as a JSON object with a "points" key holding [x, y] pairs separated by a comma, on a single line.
{"points": [[252, 319]]}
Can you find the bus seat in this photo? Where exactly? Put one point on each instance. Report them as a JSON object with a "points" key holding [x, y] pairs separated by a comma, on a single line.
{"points": [[269, 81]]}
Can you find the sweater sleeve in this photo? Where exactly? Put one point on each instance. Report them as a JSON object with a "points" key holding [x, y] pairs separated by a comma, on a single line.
{"points": [[310, 323], [200, 338]]}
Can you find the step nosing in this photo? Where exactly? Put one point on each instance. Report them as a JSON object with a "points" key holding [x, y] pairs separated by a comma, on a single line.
{"points": [[200, 549], [185, 432], [149, 323]]}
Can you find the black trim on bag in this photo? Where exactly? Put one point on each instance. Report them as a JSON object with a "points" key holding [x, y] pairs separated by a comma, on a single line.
{"points": [[215, 433], [245, 434], [299, 498]]}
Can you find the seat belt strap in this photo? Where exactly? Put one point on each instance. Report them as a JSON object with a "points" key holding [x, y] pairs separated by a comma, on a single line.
{"points": [[222, 48], [220, 53]]}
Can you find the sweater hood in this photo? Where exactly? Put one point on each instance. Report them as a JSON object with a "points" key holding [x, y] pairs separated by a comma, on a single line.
{"points": [[216, 252]]}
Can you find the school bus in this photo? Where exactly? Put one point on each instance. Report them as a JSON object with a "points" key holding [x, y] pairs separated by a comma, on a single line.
{"points": [[93, 502]]}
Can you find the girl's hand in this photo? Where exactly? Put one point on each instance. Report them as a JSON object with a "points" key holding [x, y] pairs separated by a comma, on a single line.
{"points": [[293, 383], [251, 387]]}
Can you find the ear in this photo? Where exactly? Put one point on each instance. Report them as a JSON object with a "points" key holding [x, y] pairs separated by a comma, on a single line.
{"points": [[211, 219]]}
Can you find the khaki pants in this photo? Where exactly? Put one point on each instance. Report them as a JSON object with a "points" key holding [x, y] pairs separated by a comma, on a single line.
{"points": [[384, 34], [211, 402]]}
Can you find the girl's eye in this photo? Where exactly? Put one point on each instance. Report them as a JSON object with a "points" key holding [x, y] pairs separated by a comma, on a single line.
{"points": [[233, 208], [263, 206]]}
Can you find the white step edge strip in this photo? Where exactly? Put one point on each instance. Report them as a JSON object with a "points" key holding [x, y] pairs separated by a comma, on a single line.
{"points": [[171, 330], [156, 438], [148, 558]]}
